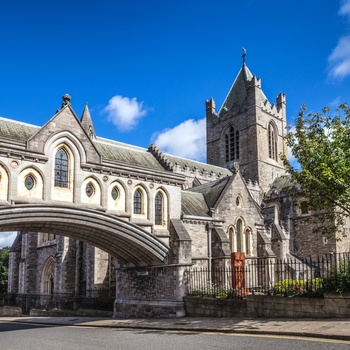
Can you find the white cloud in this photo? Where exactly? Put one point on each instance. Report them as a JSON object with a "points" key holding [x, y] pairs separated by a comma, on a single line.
{"points": [[345, 8], [187, 140], [124, 112], [7, 238], [340, 59]]}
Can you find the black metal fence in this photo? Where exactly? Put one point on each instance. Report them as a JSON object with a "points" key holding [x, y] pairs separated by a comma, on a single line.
{"points": [[294, 276]]}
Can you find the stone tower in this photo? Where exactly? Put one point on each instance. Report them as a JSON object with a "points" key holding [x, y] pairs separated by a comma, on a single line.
{"points": [[248, 130]]}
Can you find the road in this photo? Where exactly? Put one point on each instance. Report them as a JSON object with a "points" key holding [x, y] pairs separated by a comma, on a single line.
{"points": [[18, 336]]}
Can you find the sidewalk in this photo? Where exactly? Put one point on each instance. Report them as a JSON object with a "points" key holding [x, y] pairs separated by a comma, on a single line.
{"points": [[320, 328]]}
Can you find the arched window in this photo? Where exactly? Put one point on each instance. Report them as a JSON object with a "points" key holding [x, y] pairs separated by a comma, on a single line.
{"points": [[158, 209], [248, 241], [231, 144], [138, 201], [232, 238], [272, 135], [61, 168], [239, 236]]}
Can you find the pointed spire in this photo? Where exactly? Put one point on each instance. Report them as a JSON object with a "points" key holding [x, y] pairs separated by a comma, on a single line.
{"points": [[86, 121]]}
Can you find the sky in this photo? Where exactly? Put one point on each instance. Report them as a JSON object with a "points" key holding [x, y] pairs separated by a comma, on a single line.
{"points": [[145, 68]]}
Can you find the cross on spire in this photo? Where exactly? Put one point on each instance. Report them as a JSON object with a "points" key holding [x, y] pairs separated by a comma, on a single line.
{"points": [[244, 54]]}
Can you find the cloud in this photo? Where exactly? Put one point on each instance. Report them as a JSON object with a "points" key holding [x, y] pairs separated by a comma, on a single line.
{"points": [[339, 59], [7, 238], [187, 140], [345, 8], [124, 112]]}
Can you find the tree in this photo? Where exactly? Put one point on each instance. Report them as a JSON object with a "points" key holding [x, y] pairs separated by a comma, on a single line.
{"points": [[321, 145], [4, 264]]}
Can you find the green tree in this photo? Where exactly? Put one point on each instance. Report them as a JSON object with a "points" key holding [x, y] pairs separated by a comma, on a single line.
{"points": [[4, 264], [321, 145]]}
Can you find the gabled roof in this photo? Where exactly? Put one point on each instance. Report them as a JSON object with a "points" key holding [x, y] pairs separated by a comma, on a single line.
{"points": [[211, 190]]}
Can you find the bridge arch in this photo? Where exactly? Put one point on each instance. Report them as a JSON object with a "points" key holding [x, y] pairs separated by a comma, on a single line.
{"points": [[126, 241]]}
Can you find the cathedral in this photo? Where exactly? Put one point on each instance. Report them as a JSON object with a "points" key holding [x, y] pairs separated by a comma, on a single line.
{"points": [[203, 212]]}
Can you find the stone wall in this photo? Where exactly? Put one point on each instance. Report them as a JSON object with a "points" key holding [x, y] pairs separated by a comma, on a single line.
{"points": [[149, 292], [255, 306]]}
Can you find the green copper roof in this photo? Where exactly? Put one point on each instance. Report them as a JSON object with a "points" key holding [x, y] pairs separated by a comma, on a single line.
{"points": [[238, 91]]}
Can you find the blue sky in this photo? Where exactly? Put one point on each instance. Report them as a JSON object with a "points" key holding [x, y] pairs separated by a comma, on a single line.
{"points": [[145, 68]]}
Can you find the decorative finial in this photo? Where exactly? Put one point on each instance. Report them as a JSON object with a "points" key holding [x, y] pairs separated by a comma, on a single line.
{"points": [[236, 166], [244, 54], [66, 100]]}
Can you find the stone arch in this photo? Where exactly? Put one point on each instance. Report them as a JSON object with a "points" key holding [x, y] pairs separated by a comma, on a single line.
{"points": [[38, 189], [65, 137], [48, 277], [4, 182], [96, 197], [128, 242], [119, 203]]}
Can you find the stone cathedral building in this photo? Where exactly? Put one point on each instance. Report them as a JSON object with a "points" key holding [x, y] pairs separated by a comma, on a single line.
{"points": [[203, 211]]}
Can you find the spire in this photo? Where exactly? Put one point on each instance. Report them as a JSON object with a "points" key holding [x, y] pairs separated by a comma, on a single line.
{"points": [[86, 121], [238, 90]]}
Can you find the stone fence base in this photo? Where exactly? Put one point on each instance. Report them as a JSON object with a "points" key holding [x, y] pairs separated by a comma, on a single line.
{"points": [[147, 309], [255, 306], [10, 311]]}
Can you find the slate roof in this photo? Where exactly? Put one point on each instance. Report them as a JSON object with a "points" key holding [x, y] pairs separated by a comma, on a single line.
{"points": [[211, 190], [279, 185], [16, 130], [192, 164], [194, 204], [121, 152], [238, 91]]}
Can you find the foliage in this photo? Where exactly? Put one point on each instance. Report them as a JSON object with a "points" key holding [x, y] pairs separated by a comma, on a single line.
{"points": [[218, 292], [312, 287], [338, 279], [4, 264], [321, 145]]}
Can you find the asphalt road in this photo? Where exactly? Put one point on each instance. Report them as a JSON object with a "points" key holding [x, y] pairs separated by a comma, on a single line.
{"points": [[19, 336]]}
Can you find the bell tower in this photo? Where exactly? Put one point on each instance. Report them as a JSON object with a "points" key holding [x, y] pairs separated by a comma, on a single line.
{"points": [[248, 129]]}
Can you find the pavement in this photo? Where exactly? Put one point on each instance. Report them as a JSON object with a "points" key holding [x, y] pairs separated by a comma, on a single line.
{"points": [[338, 329]]}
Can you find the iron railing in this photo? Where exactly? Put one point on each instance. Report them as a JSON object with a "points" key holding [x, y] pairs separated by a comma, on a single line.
{"points": [[292, 276]]}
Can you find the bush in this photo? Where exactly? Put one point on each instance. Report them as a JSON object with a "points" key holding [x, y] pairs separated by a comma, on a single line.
{"points": [[312, 287], [338, 279]]}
